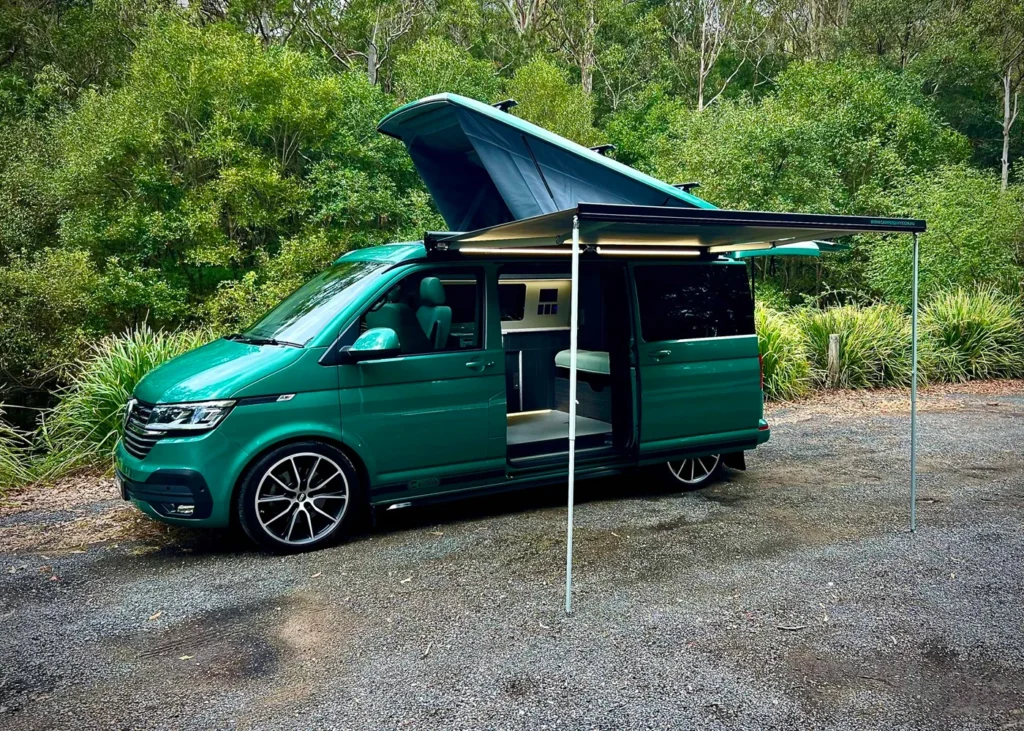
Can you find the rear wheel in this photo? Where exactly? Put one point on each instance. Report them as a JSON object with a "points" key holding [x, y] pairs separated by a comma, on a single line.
{"points": [[299, 497], [693, 473]]}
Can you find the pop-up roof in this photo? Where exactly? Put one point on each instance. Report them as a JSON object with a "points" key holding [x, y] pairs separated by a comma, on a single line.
{"points": [[485, 167]]}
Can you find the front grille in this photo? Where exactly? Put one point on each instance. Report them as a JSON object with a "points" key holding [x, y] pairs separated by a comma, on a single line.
{"points": [[137, 439]]}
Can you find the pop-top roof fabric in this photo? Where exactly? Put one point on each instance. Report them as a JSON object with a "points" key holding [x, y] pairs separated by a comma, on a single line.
{"points": [[485, 167]]}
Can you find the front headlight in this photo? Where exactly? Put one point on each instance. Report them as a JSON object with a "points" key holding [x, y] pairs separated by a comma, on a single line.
{"points": [[200, 416]]}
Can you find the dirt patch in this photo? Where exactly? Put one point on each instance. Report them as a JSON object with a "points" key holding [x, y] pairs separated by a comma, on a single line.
{"points": [[116, 523], [939, 397], [70, 493]]}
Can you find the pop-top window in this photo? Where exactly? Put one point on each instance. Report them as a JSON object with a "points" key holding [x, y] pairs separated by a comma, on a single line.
{"points": [[681, 302]]}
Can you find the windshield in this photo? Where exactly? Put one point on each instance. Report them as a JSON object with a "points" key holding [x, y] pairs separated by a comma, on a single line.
{"points": [[307, 310]]}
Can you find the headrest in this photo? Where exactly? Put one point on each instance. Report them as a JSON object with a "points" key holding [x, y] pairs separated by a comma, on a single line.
{"points": [[431, 292]]}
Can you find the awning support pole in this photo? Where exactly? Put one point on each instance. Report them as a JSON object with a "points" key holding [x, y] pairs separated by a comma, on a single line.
{"points": [[913, 399], [574, 318]]}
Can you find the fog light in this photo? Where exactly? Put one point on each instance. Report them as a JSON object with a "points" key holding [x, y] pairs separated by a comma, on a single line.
{"points": [[185, 511]]}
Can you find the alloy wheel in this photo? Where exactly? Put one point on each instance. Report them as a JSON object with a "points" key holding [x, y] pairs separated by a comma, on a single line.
{"points": [[694, 470], [302, 498]]}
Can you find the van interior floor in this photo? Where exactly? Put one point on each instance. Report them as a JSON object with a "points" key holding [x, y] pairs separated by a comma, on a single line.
{"points": [[547, 432]]}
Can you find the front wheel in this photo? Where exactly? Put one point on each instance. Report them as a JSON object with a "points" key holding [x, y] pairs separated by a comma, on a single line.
{"points": [[299, 497], [693, 473]]}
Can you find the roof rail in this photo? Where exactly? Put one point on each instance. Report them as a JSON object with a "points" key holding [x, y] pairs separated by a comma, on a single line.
{"points": [[505, 105], [604, 149], [686, 187]]}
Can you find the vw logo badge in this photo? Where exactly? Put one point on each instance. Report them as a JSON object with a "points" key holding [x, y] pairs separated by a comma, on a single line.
{"points": [[128, 410]]}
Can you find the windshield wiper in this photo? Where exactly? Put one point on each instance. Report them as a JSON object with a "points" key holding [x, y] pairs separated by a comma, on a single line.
{"points": [[260, 341]]}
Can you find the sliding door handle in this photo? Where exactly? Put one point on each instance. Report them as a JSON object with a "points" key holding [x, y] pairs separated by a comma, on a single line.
{"points": [[659, 354]]}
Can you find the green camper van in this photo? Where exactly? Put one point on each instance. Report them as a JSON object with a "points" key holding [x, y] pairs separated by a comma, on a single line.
{"points": [[416, 372]]}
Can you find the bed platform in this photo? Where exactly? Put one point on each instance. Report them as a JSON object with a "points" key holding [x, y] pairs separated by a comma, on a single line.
{"points": [[547, 432]]}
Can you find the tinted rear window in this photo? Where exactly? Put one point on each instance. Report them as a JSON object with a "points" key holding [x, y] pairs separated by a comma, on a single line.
{"points": [[512, 301], [680, 302]]}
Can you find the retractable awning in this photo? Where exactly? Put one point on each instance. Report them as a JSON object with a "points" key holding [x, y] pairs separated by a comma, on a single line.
{"points": [[697, 230], [808, 248], [484, 166]]}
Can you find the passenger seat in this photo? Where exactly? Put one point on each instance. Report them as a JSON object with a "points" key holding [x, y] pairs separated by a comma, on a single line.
{"points": [[433, 316]]}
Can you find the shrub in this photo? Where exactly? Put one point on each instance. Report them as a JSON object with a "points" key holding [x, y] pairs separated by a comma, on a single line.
{"points": [[874, 344], [977, 334], [787, 374], [14, 457], [86, 423], [974, 234]]}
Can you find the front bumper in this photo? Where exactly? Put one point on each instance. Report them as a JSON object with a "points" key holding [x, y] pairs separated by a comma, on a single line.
{"points": [[197, 473], [169, 493]]}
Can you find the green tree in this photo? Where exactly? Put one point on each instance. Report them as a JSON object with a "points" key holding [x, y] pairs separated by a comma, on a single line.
{"points": [[975, 236], [546, 98], [215, 150], [436, 65]]}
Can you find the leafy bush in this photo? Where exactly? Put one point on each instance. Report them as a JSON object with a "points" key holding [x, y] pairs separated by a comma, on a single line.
{"points": [[787, 374], [14, 457], [975, 233], [771, 295], [85, 425], [874, 344], [436, 65], [973, 334], [546, 98]]}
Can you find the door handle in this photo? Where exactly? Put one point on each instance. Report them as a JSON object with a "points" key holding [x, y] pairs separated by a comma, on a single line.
{"points": [[659, 354], [479, 365]]}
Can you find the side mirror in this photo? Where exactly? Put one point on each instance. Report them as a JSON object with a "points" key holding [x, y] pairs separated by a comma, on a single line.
{"points": [[374, 344]]}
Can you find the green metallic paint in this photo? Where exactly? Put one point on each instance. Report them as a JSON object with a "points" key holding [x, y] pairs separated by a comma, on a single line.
{"points": [[703, 388], [421, 426], [393, 253], [376, 340], [217, 370], [700, 391], [435, 415]]}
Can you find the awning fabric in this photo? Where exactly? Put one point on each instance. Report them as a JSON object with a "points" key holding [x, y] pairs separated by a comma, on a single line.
{"points": [[808, 248], [711, 230], [486, 167]]}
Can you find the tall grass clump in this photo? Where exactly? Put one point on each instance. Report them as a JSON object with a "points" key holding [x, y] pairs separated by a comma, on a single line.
{"points": [[85, 425], [973, 334], [14, 457], [787, 374], [874, 345]]}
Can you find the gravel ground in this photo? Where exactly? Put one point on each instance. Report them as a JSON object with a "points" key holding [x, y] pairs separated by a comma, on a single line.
{"points": [[788, 596]]}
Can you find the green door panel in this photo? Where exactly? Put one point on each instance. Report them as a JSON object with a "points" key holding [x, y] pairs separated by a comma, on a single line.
{"points": [[698, 388], [438, 415]]}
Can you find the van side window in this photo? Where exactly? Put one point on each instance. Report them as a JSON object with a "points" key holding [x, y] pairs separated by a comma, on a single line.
{"points": [[431, 312], [512, 301], [686, 301]]}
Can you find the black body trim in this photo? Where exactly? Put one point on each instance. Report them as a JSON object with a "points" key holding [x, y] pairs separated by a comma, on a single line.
{"points": [[164, 488]]}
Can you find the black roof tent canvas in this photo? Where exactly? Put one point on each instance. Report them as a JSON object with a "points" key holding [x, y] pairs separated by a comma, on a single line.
{"points": [[486, 167]]}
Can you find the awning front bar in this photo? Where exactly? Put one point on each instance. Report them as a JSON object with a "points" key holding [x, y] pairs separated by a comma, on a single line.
{"points": [[712, 230]]}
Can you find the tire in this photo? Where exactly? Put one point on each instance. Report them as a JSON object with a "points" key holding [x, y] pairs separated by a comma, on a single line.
{"points": [[300, 497], [692, 473]]}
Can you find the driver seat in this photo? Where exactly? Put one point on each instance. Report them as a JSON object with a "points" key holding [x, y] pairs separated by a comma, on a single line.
{"points": [[434, 317]]}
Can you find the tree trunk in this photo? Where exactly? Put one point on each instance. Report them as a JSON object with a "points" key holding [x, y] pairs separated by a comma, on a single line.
{"points": [[371, 56], [701, 72], [1009, 117], [587, 59]]}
